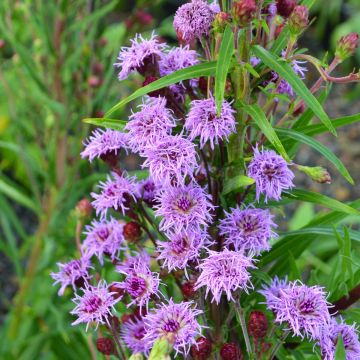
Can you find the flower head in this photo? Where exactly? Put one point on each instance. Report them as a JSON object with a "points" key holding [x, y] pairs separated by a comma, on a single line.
{"points": [[177, 320], [140, 283], [94, 305], [225, 271], [152, 122], [148, 190], [329, 338], [249, 229], [271, 174], [71, 273], [133, 333], [129, 263], [117, 192], [170, 159], [203, 121], [183, 207], [273, 291], [141, 52], [104, 237], [193, 20]]}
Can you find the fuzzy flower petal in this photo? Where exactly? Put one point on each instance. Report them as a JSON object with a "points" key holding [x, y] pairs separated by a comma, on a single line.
{"points": [[271, 174], [148, 190], [133, 333], [202, 121], [225, 271], [129, 263], [248, 230], [273, 291], [178, 320]]}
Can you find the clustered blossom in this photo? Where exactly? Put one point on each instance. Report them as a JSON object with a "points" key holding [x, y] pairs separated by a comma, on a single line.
{"points": [[153, 121], [248, 230], [136, 56], [129, 263], [305, 309], [226, 271], [203, 121], [148, 190], [117, 192], [193, 20], [71, 273], [271, 174], [104, 237], [177, 320], [95, 305], [133, 333], [183, 207], [102, 142]]}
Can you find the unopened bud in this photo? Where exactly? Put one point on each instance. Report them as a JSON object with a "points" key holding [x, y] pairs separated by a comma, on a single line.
{"points": [[243, 11], [221, 20], [317, 173], [299, 109], [258, 324], [83, 208], [298, 20], [132, 231], [148, 80], [202, 349], [187, 290], [279, 29], [105, 345], [143, 17], [94, 81], [162, 348], [285, 7], [2, 43], [347, 46], [230, 351]]}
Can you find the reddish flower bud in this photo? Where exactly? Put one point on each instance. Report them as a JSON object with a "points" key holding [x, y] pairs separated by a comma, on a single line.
{"points": [[148, 80], [258, 324], [243, 11], [111, 158], [299, 110], [299, 19], [94, 81], [105, 345], [203, 84], [143, 17], [279, 29], [347, 46], [187, 290], [285, 7], [97, 68], [221, 20], [99, 113], [84, 208], [202, 350], [132, 231], [230, 351], [2, 43]]}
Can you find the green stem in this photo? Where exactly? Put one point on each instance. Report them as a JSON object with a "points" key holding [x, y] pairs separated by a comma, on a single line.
{"points": [[278, 344], [241, 317]]}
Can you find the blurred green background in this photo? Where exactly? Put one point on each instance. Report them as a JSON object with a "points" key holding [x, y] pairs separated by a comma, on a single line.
{"points": [[56, 68]]}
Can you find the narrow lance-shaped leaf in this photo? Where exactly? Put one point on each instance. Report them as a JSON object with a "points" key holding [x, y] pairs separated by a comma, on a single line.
{"points": [[236, 183], [222, 66], [286, 71], [323, 150], [206, 69], [260, 119], [107, 123]]}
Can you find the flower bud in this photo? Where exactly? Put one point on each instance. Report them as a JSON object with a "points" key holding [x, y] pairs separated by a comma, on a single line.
{"points": [[230, 351], [105, 345], [136, 356], [243, 11], [285, 7], [94, 81], [298, 20], [83, 208], [132, 231], [187, 290], [221, 20], [258, 324], [202, 349], [279, 29], [317, 173], [347, 46], [143, 17], [148, 80], [162, 348], [2, 43]]}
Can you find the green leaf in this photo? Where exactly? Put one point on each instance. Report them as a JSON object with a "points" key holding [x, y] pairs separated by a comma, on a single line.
{"points": [[286, 71], [316, 198], [260, 119], [323, 150], [205, 69], [108, 123], [340, 353], [222, 66], [236, 183]]}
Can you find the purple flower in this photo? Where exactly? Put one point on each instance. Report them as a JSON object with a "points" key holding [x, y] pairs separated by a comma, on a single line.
{"points": [[181, 248], [303, 308], [140, 283], [271, 174], [193, 20], [139, 54], [117, 192], [225, 271], [202, 121], [177, 320], [215, 7], [170, 159], [249, 229], [102, 142], [329, 338], [152, 122], [129, 263], [95, 305], [254, 61], [71, 273], [104, 237], [272, 293], [183, 207], [133, 333], [148, 190]]}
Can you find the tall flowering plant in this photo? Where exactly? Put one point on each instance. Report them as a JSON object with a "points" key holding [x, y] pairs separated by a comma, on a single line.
{"points": [[185, 258]]}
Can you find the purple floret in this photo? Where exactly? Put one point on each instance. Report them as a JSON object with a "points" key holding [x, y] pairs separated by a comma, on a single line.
{"points": [[133, 333]]}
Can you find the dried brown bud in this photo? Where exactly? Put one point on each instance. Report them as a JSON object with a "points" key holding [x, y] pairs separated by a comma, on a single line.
{"points": [[230, 351], [132, 231], [258, 324], [202, 350], [105, 345], [347, 46], [83, 208], [243, 11], [221, 20], [298, 20], [285, 7]]}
